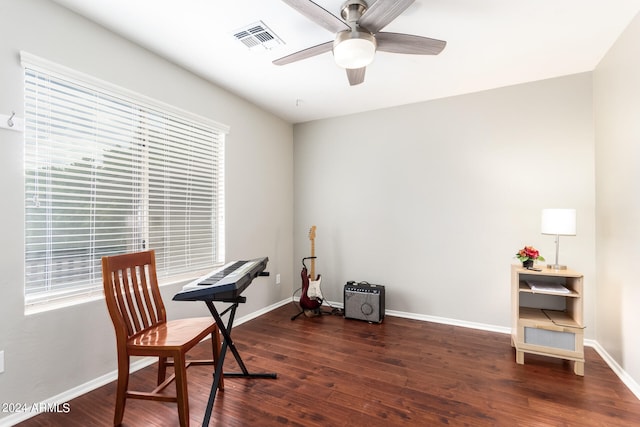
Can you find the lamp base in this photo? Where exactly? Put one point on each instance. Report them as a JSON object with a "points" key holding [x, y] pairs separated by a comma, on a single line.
{"points": [[556, 267]]}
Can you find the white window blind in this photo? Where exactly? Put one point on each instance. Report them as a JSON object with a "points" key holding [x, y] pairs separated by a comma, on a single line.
{"points": [[108, 171]]}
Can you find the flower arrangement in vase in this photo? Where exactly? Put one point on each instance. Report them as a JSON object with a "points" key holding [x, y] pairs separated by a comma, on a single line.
{"points": [[528, 255]]}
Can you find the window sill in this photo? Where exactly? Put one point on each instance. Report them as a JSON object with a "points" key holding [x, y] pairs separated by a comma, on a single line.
{"points": [[44, 306]]}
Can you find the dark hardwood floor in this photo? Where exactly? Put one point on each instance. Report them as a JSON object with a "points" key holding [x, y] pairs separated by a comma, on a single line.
{"points": [[337, 372]]}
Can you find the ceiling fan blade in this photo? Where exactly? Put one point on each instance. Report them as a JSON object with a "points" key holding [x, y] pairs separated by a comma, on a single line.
{"points": [[382, 12], [318, 14], [407, 43], [355, 75], [304, 54]]}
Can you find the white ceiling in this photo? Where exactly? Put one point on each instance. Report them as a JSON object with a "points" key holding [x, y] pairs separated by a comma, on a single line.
{"points": [[490, 43]]}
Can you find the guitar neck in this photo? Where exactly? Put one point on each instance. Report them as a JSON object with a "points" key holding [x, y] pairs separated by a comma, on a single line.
{"points": [[312, 273]]}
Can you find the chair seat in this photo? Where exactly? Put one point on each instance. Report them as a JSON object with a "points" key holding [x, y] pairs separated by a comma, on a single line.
{"points": [[181, 334]]}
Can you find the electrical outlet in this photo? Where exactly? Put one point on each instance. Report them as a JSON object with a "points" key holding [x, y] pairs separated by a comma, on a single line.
{"points": [[278, 279], [1, 361]]}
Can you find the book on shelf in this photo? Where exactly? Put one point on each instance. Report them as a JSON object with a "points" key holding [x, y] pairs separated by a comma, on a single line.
{"points": [[548, 287]]}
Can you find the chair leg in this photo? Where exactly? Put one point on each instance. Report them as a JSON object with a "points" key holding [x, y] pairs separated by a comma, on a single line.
{"points": [[181, 388], [162, 369], [216, 347], [121, 388]]}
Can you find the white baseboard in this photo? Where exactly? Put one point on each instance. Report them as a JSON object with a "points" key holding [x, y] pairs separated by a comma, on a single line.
{"points": [[447, 321], [68, 395], [631, 384], [615, 367], [71, 394], [253, 315], [138, 364]]}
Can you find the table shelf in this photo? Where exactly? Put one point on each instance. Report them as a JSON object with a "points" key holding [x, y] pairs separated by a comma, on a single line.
{"points": [[548, 322]]}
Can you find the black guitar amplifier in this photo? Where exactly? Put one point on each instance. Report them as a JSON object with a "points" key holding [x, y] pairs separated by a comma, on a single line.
{"points": [[364, 301]]}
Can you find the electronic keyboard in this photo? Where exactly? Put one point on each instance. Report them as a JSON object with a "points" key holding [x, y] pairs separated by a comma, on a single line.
{"points": [[225, 283]]}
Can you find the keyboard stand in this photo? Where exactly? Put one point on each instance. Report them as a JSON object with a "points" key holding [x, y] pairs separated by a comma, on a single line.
{"points": [[227, 344]]}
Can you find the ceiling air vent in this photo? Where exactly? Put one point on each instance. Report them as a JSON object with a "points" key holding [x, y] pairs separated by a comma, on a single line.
{"points": [[257, 34]]}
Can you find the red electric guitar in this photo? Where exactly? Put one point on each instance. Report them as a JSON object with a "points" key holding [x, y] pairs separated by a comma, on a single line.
{"points": [[311, 296]]}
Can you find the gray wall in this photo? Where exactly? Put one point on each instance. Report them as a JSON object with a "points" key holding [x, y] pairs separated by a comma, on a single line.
{"points": [[431, 199], [434, 199], [50, 353], [617, 124]]}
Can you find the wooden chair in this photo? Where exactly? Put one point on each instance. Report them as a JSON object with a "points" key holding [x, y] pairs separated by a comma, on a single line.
{"points": [[139, 318]]}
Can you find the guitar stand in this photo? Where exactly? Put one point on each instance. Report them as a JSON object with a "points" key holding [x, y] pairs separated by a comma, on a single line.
{"points": [[227, 344], [295, 316], [316, 312]]}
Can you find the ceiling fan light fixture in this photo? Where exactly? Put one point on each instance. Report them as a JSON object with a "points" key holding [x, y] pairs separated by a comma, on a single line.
{"points": [[354, 49]]}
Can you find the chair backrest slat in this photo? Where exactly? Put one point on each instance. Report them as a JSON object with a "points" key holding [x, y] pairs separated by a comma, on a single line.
{"points": [[147, 302], [118, 297], [131, 307], [140, 309], [132, 292]]}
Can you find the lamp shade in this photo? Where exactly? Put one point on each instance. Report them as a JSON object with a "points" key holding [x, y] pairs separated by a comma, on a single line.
{"points": [[559, 222]]}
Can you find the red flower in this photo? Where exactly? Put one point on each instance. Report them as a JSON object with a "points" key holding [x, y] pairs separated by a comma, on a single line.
{"points": [[527, 253]]}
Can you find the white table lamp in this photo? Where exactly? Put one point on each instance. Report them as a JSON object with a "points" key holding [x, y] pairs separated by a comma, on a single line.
{"points": [[560, 222]]}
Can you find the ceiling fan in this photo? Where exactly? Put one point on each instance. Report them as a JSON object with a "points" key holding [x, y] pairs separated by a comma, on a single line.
{"points": [[358, 34]]}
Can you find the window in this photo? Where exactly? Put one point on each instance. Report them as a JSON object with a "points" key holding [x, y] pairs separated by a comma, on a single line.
{"points": [[108, 171]]}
